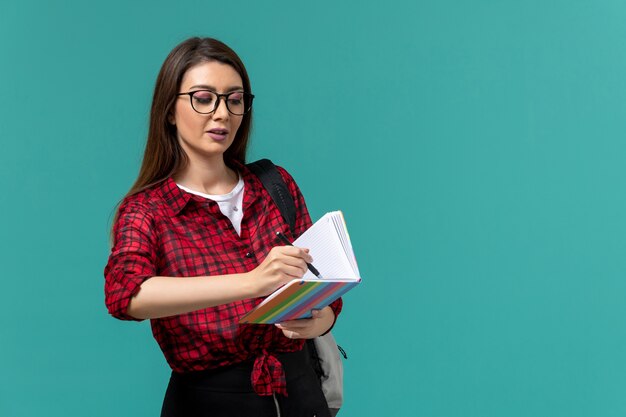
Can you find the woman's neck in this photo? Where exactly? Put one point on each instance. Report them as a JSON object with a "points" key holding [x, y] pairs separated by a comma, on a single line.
{"points": [[212, 177]]}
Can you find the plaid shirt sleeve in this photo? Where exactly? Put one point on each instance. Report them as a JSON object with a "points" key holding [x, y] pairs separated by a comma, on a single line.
{"points": [[303, 222], [132, 259]]}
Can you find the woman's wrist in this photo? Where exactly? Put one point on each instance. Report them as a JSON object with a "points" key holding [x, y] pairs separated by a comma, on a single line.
{"points": [[329, 320], [249, 285]]}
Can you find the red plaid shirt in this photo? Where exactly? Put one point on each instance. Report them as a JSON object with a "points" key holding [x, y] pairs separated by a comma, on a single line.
{"points": [[165, 231]]}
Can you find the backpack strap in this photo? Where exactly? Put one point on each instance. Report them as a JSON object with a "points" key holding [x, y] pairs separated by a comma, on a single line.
{"points": [[278, 190]]}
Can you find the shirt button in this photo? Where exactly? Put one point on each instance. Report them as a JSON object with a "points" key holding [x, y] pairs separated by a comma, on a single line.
{"points": [[249, 255], [235, 209]]}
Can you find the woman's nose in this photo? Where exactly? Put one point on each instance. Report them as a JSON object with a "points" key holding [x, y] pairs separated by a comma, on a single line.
{"points": [[221, 111]]}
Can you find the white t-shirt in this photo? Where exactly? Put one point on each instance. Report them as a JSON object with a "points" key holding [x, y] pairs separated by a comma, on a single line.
{"points": [[231, 204]]}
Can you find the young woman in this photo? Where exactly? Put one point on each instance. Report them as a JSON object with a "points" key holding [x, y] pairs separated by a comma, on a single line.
{"points": [[194, 249]]}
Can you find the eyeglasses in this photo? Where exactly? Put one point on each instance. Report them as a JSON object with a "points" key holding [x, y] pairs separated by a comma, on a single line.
{"points": [[207, 101]]}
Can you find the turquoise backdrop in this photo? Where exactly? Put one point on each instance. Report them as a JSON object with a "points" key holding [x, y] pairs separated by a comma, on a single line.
{"points": [[476, 148]]}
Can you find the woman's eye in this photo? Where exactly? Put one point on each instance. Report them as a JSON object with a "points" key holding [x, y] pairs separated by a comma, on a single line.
{"points": [[235, 98], [203, 98]]}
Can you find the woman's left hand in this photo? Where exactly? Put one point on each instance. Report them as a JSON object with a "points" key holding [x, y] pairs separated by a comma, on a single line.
{"points": [[309, 328]]}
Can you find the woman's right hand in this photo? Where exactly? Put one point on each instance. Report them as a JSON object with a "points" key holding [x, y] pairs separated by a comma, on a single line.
{"points": [[282, 264]]}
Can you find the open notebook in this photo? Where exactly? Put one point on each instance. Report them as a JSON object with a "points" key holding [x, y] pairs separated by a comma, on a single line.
{"points": [[332, 253]]}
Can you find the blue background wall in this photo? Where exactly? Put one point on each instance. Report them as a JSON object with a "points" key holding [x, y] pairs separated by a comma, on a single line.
{"points": [[476, 148]]}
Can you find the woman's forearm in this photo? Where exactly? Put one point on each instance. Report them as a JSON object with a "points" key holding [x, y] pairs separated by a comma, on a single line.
{"points": [[170, 296]]}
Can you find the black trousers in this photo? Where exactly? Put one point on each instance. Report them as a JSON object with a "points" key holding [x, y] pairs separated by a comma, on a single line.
{"points": [[228, 392]]}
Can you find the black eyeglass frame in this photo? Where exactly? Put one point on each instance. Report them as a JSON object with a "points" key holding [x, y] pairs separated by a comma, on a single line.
{"points": [[246, 97]]}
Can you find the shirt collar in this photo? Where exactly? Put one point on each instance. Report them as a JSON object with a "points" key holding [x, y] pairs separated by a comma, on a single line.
{"points": [[176, 199]]}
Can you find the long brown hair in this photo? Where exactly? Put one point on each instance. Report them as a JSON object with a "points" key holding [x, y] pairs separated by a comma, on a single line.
{"points": [[163, 155]]}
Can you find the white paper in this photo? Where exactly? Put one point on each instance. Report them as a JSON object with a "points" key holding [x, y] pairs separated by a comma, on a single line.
{"points": [[330, 248]]}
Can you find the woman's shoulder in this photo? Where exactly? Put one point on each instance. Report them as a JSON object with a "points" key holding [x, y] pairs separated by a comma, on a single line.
{"points": [[290, 181], [285, 174], [149, 200]]}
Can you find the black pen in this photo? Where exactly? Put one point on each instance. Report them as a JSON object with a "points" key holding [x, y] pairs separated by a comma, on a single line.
{"points": [[311, 267]]}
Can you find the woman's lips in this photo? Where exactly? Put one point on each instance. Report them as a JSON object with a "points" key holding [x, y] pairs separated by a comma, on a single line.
{"points": [[218, 134]]}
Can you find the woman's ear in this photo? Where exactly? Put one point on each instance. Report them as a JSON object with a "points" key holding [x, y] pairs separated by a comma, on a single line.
{"points": [[171, 119]]}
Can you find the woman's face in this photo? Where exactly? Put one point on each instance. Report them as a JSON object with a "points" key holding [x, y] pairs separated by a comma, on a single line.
{"points": [[205, 136]]}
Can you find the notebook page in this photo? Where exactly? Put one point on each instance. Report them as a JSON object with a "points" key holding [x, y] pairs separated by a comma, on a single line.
{"points": [[326, 249], [344, 237]]}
